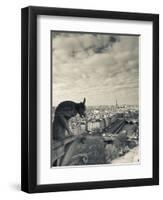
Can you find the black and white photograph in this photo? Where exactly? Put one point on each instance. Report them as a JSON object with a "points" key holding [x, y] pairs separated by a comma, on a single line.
{"points": [[94, 99]]}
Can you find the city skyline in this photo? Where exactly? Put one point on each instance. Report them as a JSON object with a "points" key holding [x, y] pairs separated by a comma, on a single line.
{"points": [[100, 67], [108, 105]]}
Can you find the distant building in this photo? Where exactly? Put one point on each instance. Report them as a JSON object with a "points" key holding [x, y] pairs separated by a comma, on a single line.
{"points": [[116, 105]]}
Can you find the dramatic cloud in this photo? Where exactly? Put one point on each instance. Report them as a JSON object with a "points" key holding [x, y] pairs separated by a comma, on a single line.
{"points": [[100, 67]]}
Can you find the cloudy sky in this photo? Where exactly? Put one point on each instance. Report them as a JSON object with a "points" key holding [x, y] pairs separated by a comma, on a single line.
{"points": [[100, 67]]}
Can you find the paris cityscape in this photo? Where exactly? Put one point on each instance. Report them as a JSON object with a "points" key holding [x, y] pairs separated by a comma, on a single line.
{"points": [[102, 69], [117, 126]]}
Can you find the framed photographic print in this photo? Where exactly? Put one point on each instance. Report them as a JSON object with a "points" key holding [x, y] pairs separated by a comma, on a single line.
{"points": [[90, 99]]}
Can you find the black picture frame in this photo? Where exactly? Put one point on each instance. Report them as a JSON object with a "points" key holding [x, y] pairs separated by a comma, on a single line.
{"points": [[29, 98]]}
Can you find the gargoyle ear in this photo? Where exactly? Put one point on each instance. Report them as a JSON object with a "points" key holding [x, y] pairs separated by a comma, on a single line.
{"points": [[84, 100]]}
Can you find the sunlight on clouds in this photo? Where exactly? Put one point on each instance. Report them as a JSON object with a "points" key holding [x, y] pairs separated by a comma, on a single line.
{"points": [[100, 67]]}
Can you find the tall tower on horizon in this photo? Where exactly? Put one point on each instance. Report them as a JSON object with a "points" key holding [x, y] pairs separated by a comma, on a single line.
{"points": [[116, 104]]}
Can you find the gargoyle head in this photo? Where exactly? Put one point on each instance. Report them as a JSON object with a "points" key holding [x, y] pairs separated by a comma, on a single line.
{"points": [[82, 108]]}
